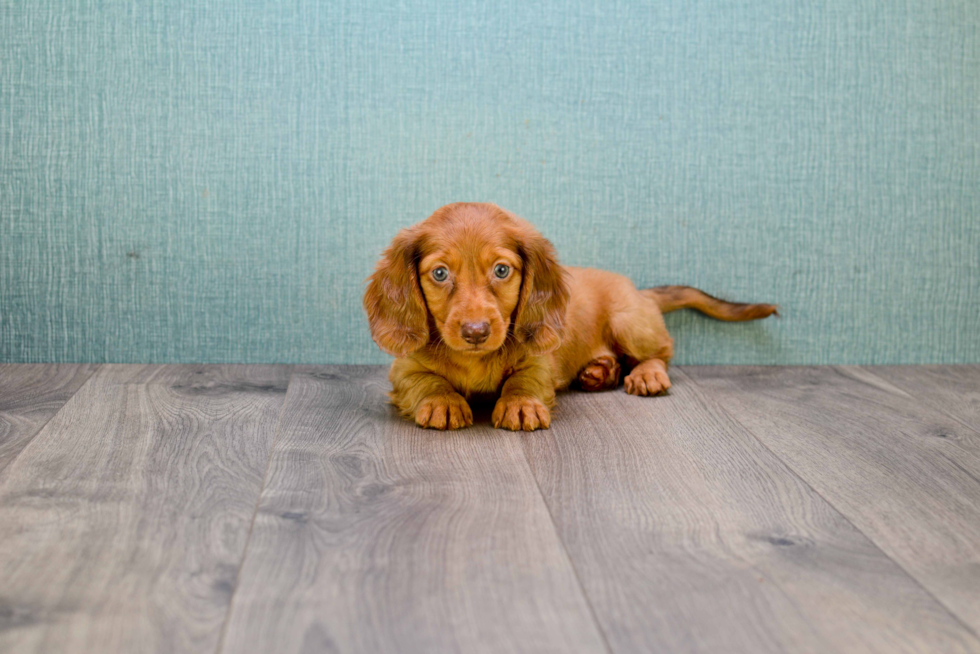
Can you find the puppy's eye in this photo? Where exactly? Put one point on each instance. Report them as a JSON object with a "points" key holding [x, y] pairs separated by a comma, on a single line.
{"points": [[440, 274], [501, 271]]}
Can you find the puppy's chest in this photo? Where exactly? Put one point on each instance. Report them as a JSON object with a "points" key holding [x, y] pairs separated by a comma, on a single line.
{"points": [[477, 377]]}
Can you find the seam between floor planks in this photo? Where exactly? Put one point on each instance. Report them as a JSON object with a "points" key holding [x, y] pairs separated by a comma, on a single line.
{"points": [[216, 418], [375, 535], [255, 513], [841, 512], [93, 370], [720, 405], [639, 456], [892, 376], [941, 408], [568, 557], [779, 396]]}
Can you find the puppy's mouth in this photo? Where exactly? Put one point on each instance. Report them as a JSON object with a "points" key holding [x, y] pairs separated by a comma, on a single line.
{"points": [[481, 348]]}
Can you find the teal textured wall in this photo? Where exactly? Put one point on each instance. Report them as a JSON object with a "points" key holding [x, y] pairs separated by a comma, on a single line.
{"points": [[212, 181]]}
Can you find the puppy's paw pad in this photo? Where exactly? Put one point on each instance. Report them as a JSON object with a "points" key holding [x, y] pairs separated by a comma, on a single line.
{"points": [[647, 382], [444, 412], [521, 412]]}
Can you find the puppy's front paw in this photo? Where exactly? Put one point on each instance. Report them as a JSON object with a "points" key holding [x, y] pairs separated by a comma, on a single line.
{"points": [[444, 412], [647, 381], [516, 412]]}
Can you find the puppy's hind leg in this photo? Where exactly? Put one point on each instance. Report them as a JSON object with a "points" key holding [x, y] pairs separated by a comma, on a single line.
{"points": [[641, 335], [600, 373]]}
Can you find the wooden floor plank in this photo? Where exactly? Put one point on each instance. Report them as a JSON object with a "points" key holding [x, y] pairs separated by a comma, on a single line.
{"points": [[954, 390], [905, 474], [376, 536], [30, 394], [123, 523], [689, 536]]}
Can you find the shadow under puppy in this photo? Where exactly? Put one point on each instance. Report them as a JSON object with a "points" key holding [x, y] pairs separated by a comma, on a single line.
{"points": [[473, 302]]}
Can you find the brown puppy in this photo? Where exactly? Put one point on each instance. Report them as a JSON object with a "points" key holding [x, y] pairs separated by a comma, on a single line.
{"points": [[473, 302]]}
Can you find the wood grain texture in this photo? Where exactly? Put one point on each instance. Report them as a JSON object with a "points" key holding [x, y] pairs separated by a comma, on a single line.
{"points": [[905, 474], [954, 390], [690, 536], [376, 536], [30, 394], [123, 523]]}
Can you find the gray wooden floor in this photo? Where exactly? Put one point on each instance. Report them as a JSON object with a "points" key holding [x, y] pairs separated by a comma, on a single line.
{"points": [[288, 509]]}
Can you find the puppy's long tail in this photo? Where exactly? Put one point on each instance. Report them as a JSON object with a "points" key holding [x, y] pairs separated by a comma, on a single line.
{"points": [[671, 298]]}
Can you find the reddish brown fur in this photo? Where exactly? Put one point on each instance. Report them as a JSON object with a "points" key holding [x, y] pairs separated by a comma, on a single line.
{"points": [[549, 326], [671, 298]]}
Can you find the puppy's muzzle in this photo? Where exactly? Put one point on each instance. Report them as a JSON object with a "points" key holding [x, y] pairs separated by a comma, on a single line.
{"points": [[475, 332]]}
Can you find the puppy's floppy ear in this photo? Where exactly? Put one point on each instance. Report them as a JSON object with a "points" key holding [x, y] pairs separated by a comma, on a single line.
{"points": [[540, 314], [393, 300]]}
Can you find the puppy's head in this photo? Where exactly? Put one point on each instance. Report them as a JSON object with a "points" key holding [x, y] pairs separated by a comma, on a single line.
{"points": [[476, 274]]}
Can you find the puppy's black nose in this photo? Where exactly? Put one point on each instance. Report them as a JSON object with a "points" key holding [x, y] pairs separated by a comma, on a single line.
{"points": [[475, 332]]}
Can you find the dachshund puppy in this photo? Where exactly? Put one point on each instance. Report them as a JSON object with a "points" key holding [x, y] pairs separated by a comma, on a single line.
{"points": [[473, 303]]}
